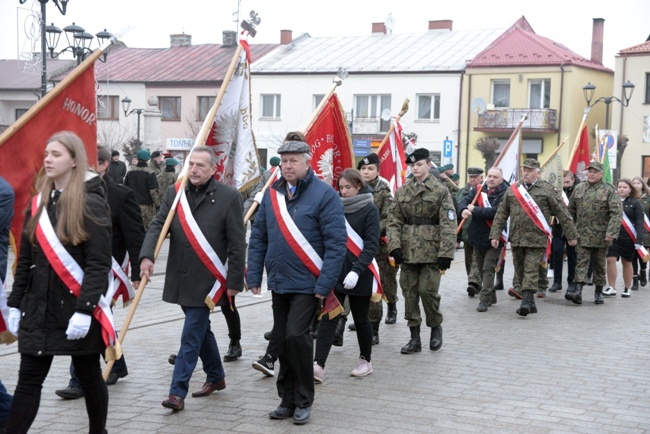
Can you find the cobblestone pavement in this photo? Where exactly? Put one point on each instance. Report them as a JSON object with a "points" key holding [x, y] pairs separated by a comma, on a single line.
{"points": [[566, 369]]}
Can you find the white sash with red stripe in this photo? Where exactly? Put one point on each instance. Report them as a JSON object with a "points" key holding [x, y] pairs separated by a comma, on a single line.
{"points": [[203, 250], [565, 198], [631, 231], [532, 210], [484, 202], [646, 223], [355, 245], [71, 274], [122, 284]]}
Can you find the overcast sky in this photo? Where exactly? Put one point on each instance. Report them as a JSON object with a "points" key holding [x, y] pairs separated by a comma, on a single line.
{"points": [[148, 23]]}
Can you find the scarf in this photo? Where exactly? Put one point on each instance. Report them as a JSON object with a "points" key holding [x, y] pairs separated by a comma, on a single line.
{"points": [[355, 203]]}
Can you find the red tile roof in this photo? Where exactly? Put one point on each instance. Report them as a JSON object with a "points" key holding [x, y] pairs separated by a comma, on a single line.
{"points": [[521, 46], [641, 48]]}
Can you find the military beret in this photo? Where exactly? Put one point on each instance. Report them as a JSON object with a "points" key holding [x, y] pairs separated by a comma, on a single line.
{"points": [[294, 147], [371, 158], [455, 177], [417, 155], [143, 155], [274, 161], [445, 167], [155, 154], [172, 162], [595, 165], [530, 163], [474, 171]]}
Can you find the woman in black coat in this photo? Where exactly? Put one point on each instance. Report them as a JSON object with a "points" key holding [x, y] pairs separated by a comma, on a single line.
{"points": [[356, 279], [47, 316]]}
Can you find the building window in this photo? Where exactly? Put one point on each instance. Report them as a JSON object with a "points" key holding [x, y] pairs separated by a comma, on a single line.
{"points": [[539, 94], [204, 104], [108, 108], [170, 107], [647, 87], [317, 100], [501, 93], [428, 107], [20, 112], [371, 107], [271, 106]]}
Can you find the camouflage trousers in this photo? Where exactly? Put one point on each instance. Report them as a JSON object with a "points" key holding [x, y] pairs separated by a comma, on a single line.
{"points": [[421, 282], [530, 270], [388, 275], [598, 256], [148, 214], [485, 260], [473, 275]]}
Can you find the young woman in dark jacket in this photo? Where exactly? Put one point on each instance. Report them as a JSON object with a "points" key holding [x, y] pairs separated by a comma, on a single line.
{"points": [[44, 312], [355, 279]]}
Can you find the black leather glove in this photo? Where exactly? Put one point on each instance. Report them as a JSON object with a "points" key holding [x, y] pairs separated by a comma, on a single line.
{"points": [[444, 263], [398, 256]]}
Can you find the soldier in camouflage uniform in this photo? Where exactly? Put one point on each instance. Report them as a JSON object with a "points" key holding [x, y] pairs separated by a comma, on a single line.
{"points": [[445, 175], [474, 281], [168, 177], [527, 240], [144, 184], [156, 163], [596, 208], [369, 169], [422, 237]]}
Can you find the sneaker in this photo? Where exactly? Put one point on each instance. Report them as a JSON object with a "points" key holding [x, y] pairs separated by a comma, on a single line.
{"points": [[609, 291], [362, 368], [626, 293], [319, 373], [265, 365]]}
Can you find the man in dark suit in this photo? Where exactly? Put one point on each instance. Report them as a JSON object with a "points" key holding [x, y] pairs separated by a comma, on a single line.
{"points": [[196, 277]]}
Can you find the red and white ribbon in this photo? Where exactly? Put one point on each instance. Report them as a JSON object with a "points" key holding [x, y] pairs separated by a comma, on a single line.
{"points": [[532, 210], [565, 198], [484, 202], [355, 245], [631, 231], [122, 284]]}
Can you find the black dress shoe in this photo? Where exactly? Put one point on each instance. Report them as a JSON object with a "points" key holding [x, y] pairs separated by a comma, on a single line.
{"points": [[174, 402], [70, 393], [114, 376], [281, 413], [555, 287], [208, 388], [301, 415], [234, 352]]}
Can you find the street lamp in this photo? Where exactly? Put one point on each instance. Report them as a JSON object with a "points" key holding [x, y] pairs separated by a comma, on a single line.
{"points": [[589, 89], [79, 46], [126, 103]]}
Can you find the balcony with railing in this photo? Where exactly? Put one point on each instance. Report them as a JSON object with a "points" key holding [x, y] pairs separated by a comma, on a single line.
{"points": [[506, 119]]}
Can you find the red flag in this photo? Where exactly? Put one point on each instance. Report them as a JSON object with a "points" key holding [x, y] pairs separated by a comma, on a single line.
{"points": [[392, 159], [70, 106], [580, 161], [330, 142]]}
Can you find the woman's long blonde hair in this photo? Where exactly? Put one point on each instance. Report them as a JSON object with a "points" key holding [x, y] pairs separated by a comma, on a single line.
{"points": [[71, 208], [644, 188]]}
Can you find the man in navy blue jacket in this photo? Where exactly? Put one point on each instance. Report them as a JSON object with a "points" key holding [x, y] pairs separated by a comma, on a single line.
{"points": [[311, 211]]}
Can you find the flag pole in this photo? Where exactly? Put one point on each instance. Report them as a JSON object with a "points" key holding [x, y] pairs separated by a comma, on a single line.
{"points": [[554, 152], [73, 75], [201, 138], [576, 142], [496, 163], [405, 108]]}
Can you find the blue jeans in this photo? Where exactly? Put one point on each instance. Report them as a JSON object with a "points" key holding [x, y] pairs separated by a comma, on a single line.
{"points": [[5, 404], [197, 340]]}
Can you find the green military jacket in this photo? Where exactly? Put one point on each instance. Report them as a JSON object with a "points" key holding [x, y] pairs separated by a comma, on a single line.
{"points": [[523, 232], [165, 179], [451, 186], [422, 222], [383, 199], [597, 211], [460, 195]]}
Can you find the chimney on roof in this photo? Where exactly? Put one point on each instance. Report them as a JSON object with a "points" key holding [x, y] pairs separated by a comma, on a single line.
{"points": [[597, 40], [229, 38], [378, 28], [180, 40], [286, 37], [440, 24]]}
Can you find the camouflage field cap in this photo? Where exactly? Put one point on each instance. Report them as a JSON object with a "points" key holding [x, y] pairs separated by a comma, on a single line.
{"points": [[531, 163], [417, 155], [371, 158], [595, 165], [294, 147]]}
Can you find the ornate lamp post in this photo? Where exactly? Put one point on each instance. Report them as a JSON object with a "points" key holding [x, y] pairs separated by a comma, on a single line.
{"points": [[126, 103], [589, 89]]}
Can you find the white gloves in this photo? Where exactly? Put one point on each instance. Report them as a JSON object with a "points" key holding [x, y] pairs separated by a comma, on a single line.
{"points": [[13, 322], [78, 326], [350, 280], [258, 197]]}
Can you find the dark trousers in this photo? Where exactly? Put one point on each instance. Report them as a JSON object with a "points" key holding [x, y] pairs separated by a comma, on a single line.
{"points": [[118, 366], [292, 318], [635, 264], [27, 397], [5, 404], [231, 315], [359, 306], [197, 340], [557, 257]]}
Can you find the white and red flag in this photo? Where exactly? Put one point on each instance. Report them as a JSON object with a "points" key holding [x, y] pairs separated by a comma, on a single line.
{"points": [[509, 163], [580, 161], [392, 159]]}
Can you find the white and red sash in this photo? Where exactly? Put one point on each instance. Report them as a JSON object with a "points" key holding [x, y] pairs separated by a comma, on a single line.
{"points": [[565, 198], [532, 210], [301, 247], [484, 202], [631, 231], [203, 250], [355, 245], [71, 274], [646, 223], [122, 284], [6, 337]]}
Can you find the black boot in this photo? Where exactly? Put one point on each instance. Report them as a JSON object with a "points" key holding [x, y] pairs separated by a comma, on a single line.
{"points": [[435, 343], [598, 295], [574, 293], [527, 304], [234, 351], [414, 345], [643, 280], [635, 283], [375, 332], [557, 286], [340, 329], [498, 284], [391, 315]]}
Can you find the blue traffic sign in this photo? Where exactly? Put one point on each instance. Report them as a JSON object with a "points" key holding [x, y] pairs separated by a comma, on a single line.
{"points": [[446, 149]]}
